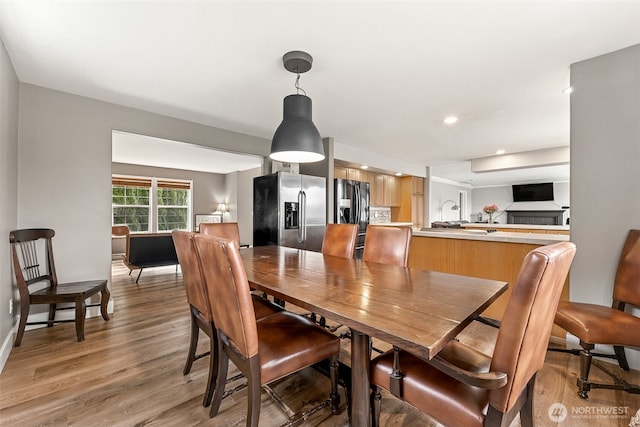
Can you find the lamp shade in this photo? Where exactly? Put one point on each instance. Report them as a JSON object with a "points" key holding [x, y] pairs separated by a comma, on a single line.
{"points": [[297, 140]]}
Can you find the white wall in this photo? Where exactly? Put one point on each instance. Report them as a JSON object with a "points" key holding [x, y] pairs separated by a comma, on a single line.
{"points": [[440, 192], [8, 195], [605, 172]]}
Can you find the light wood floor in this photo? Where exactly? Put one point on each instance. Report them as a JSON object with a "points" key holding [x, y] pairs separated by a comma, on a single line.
{"points": [[128, 372]]}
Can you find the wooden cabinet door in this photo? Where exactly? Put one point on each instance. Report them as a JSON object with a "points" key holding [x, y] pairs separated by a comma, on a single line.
{"points": [[417, 185], [417, 210], [391, 191], [340, 172], [377, 191]]}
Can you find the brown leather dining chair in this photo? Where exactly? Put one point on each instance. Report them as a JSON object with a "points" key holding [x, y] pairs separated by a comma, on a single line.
{"points": [[596, 324], [340, 240], [266, 349], [387, 245], [33, 264], [224, 230], [200, 313], [463, 387]]}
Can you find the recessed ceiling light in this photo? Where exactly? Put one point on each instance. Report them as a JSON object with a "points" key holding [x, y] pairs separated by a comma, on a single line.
{"points": [[450, 120], [364, 167], [398, 173], [501, 152], [568, 90]]}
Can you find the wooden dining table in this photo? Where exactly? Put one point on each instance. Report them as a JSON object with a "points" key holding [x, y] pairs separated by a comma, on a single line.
{"points": [[417, 310]]}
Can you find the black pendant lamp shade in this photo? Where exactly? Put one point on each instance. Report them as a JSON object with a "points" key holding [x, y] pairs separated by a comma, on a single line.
{"points": [[297, 139]]}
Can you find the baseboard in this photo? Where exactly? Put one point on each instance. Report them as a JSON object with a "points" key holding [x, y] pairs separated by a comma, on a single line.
{"points": [[7, 346]]}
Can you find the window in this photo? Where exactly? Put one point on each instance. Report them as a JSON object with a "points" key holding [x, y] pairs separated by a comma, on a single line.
{"points": [[151, 204], [173, 205]]}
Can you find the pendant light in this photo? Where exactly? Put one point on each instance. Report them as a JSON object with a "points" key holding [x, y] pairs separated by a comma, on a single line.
{"points": [[297, 139]]}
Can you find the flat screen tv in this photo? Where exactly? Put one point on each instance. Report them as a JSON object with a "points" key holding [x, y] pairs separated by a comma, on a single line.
{"points": [[533, 192]]}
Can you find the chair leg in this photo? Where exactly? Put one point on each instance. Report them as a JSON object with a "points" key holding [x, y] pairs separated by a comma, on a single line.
{"points": [[193, 344], [376, 403], [81, 312], [526, 412], [621, 356], [221, 380], [585, 366], [24, 313], [253, 385], [334, 396], [52, 314], [213, 369], [104, 302]]}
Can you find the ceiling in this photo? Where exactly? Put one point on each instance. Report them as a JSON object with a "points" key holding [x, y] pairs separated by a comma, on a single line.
{"points": [[385, 73]]}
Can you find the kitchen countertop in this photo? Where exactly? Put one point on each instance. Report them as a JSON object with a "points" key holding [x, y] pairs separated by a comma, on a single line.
{"points": [[517, 226], [394, 224], [497, 236]]}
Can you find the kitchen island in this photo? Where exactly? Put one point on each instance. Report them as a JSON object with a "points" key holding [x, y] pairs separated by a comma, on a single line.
{"points": [[519, 228], [480, 253]]}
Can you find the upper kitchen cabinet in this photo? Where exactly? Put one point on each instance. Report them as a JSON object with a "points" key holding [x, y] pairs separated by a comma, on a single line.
{"points": [[352, 174], [385, 191], [411, 191]]}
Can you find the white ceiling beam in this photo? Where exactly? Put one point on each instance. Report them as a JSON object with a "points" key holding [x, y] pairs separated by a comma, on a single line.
{"points": [[526, 159]]}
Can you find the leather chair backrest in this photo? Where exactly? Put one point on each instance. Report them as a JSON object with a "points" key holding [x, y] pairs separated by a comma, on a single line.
{"points": [[387, 245], [340, 240], [228, 292], [524, 334], [119, 230], [626, 287], [223, 230], [193, 284]]}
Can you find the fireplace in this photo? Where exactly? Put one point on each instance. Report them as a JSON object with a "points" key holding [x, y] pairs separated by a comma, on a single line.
{"points": [[535, 217]]}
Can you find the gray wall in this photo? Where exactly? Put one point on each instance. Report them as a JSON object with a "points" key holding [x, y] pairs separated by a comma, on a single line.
{"points": [[65, 143], [605, 155], [244, 207], [8, 194]]}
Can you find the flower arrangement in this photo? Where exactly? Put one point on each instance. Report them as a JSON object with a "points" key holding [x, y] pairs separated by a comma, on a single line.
{"points": [[490, 209]]}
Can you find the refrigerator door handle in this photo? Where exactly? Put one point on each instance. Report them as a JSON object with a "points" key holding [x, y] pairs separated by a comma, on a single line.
{"points": [[302, 217], [356, 198]]}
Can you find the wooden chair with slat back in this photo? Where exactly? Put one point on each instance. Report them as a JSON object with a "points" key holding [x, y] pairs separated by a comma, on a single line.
{"points": [[463, 387], [264, 350], [201, 317], [33, 263], [387, 245]]}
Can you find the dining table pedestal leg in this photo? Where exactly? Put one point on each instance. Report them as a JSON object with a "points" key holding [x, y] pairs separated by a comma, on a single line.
{"points": [[360, 380]]}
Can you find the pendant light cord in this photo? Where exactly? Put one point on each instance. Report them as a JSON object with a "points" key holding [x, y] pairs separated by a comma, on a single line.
{"points": [[298, 88]]}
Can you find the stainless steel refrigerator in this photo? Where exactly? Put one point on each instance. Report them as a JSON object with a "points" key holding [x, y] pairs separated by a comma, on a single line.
{"points": [[352, 207], [289, 210]]}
